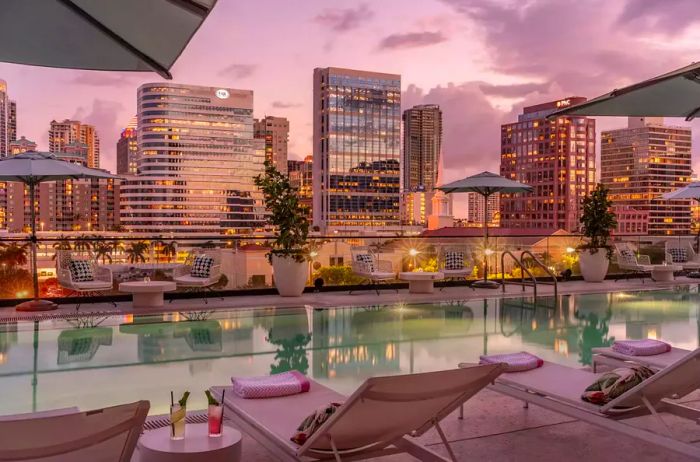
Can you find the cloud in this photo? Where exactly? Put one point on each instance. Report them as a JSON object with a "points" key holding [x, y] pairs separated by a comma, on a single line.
{"points": [[411, 40], [106, 116], [663, 16], [344, 19], [284, 105], [103, 79], [238, 71], [514, 90]]}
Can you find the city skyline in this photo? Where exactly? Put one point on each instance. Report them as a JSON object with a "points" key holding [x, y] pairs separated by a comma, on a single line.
{"points": [[426, 43]]}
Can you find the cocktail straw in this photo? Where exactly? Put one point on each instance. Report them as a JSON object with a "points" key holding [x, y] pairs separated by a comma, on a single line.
{"points": [[172, 425], [223, 407]]}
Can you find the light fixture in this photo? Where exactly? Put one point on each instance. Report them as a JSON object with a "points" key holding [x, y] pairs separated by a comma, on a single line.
{"points": [[313, 254], [488, 252], [413, 252], [570, 250]]}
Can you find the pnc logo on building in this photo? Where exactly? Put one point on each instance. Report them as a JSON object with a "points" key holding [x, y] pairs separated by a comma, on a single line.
{"points": [[564, 103], [222, 93]]}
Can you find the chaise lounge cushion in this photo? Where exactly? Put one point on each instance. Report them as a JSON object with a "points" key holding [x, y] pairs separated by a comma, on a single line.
{"points": [[92, 285], [193, 281]]}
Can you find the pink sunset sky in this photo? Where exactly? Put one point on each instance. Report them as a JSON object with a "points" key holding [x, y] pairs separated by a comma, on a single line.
{"points": [[480, 60]]}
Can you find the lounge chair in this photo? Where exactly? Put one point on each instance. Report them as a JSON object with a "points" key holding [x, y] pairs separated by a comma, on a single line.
{"points": [[455, 264], [630, 262], [609, 357], [100, 280], [680, 252], [190, 279], [102, 435], [559, 388], [366, 265], [374, 421]]}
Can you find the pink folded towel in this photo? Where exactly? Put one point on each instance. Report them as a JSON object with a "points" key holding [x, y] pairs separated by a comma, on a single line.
{"points": [[271, 386], [515, 362], [644, 347]]}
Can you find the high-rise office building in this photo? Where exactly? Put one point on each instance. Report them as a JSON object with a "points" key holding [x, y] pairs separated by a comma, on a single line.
{"points": [[557, 158], [475, 210], [643, 161], [356, 144], [275, 132], [301, 177], [197, 160], [8, 120], [127, 150], [72, 131], [422, 143]]}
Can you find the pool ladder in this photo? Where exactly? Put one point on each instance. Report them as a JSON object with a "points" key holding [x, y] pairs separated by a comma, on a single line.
{"points": [[525, 271]]}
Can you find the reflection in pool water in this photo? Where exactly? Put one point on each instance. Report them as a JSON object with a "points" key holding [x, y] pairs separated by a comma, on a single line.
{"points": [[93, 362]]}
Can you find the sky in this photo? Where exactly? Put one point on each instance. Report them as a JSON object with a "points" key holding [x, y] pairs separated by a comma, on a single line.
{"points": [[480, 60]]}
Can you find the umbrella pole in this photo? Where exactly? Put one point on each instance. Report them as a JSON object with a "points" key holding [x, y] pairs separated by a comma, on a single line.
{"points": [[485, 283], [35, 304]]}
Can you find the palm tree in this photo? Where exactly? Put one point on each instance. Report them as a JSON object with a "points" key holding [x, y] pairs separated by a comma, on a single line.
{"points": [[61, 244], [102, 250], [14, 254], [169, 249], [83, 244], [136, 252]]}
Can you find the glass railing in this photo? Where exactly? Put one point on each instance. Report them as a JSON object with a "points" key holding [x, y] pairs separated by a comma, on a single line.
{"points": [[244, 265]]}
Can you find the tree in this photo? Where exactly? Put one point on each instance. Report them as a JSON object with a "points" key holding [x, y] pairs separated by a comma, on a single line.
{"points": [[61, 244], [286, 213], [103, 250], [83, 244], [169, 250], [597, 220], [136, 252], [13, 255]]}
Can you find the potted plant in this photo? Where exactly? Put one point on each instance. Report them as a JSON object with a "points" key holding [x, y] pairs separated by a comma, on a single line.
{"points": [[288, 216], [597, 221]]}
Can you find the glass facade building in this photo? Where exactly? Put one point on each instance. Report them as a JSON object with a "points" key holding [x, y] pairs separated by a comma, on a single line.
{"points": [[197, 159], [644, 161], [357, 142], [554, 156], [422, 144]]}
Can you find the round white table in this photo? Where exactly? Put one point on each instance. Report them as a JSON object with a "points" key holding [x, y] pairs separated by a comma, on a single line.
{"points": [[421, 282], [147, 294], [156, 445], [664, 273]]}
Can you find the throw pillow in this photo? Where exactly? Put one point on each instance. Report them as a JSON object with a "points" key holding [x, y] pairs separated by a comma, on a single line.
{"points": [[367, 259], [678, 255], [201, 266], [81, 271], [454, 260]]}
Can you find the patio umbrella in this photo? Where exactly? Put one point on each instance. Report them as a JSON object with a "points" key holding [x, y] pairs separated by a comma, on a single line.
{"points": [[486, 184], [675, 94], [124, 35], [32, 168], [689, 191]]}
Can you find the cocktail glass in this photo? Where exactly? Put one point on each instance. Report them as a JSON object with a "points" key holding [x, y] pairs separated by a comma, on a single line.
{"points": [[215, 416], [177, 421]]}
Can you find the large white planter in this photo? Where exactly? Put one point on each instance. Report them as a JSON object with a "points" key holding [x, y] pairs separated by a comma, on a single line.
{"points": [[594, 266], [290, 276]]}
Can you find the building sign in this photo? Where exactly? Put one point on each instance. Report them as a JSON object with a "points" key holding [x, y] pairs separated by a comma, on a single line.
{"points": [[564, 103], [222, 93]]}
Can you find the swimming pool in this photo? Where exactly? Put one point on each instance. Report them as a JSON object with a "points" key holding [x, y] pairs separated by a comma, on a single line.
{"points": [[93, 362]]}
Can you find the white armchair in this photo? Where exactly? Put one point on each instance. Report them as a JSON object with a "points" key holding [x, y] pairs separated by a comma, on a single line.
{"points": [[375, 271], [183, 277], [101, 283], [455, 263], [681, 253], [629, 261]]}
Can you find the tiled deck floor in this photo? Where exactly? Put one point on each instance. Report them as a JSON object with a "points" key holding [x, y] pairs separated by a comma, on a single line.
{"points": [[495, 428]]}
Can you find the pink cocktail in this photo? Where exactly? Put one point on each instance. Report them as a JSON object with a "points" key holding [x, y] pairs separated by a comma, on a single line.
{"points": [[215, 416]]}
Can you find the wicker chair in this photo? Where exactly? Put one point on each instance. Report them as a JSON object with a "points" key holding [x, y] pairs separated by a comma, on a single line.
{"points": [[101, 284], [454, 263], [182, 275], [375, 271]]}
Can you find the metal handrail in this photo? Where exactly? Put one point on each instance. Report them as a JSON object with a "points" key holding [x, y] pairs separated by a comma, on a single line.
{"points": [[523, 270], [543, 266]]}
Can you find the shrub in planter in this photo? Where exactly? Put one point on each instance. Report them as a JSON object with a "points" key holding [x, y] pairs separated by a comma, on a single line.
{"points": [[288, 216], [597, 222]]}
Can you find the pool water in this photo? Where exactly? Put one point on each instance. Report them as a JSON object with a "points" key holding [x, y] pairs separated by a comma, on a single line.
{"points": [[92, 362]]}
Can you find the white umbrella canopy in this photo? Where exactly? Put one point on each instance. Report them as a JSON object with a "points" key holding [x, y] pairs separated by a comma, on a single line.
{"points": [[485, 183], [32, 168], [114, 35], [690, 191], [674, 94]]}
